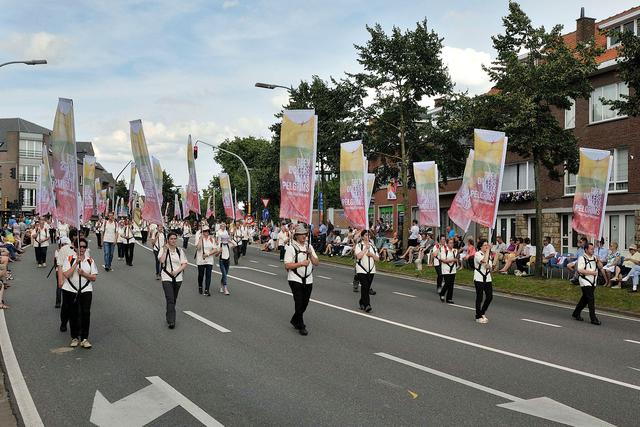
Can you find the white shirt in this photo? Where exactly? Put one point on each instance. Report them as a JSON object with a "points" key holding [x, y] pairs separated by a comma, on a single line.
{"points": [[173, 261], [224, 242], [159, 239], [209, 244], [88, 265], [589, 263], [126, 234], [415, 232], [63, 230], [64, 253], [435, 253], [446, 254], [109, 231], [366, 264], [485, 269], [297, 253], [283, 238], [41, 236], [548, 250], [245, 232], [186, 230]]}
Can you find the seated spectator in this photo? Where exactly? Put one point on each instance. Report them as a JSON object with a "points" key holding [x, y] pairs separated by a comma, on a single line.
{"points": [[349, 242], [425, 246], [336, 246], [388, 251], [468, 252], [549, 254], [511, 256], [413, 245], [499, 249], [631, 266], [524, 257], [328, 248], [611, 264]]}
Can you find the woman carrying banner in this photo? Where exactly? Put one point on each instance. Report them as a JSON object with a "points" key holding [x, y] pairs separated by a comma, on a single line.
{"points": [[40, 238], [435, 256], [109, 238], [236, 235], [186, 233], [299, 260], [366, 257], [448, 257], [225, 243], [79, 273], [206, 249], [158, 239], [98, 229], [128, 241], [483, 264], [173, 261]]}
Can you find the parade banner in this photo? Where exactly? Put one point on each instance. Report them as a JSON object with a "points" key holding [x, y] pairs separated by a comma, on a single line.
{"points": [[193, 196], [592, 186], [227, 197], [426, 177], [132, 185], [158, 177], [176, 207], [353, 184], [298, 142], [65, 171], [153, 198], [210, 210], [460, 211], [490, 149], [105, 198], [45, 200], [97, 188], [88, 186]]}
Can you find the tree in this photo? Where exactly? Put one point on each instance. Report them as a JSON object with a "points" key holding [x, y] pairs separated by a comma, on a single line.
{"points": [[548, 76], [403, 69], [121, 190], [168, 192], [629, 72]]}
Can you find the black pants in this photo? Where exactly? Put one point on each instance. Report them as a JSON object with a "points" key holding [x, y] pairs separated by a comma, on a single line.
{"points": [[521, 263], [58, 289], [99, 239], [185, 242], [281, 248], [365, 284], [128, 252], [144, 234], [236, 254], [77, 308], [487, 289], [204, 272], [438, 275], [171, 295], [120, 250], [301, 295], [587, 299], [52, 235], [85, 232], [448, 286], [244, 247], [155, 256], [41, 254]]}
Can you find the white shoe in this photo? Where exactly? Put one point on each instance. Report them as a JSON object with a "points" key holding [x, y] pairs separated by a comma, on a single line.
{"points": [[85, 343], [481, 320], [486, 319], [226, 291], [625, 278], [74, 342]]}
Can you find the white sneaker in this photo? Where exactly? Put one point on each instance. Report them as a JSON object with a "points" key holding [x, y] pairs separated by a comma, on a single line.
{"points": [[74, 342], [517, 273], [85, 343], [226, 291], [44, 265], [221, 289], [481, 320], [625, 278], [486, 319]]}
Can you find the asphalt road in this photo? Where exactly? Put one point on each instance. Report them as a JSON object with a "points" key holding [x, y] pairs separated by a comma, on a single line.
{"points": [[412, 361]]}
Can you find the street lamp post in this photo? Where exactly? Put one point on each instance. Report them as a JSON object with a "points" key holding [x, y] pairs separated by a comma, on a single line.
{"points": [[30, 62], [272, 86], [215, 147]]}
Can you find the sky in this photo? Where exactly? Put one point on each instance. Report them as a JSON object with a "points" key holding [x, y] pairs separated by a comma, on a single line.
{"points": [[189, 66]]}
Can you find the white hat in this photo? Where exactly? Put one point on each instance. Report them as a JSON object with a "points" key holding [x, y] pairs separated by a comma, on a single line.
{"points": [[300, 229], [65, 241]]}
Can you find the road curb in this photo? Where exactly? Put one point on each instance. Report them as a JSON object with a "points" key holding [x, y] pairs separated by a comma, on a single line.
{"points": [[7, 415]]}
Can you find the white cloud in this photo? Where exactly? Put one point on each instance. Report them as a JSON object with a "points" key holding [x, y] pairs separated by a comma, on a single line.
{"points": [[281, 99], [228, 4], [39, 45], [465, 67]]}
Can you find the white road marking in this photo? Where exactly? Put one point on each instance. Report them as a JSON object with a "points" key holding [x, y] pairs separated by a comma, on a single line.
{"points": [[448, 338], [635, 369], [404, 295], [325, 277], [207, 322], [632, 341], [542, 323], [253, 261], [27, 407], [462, 306], [274, 266], [253, 269]]}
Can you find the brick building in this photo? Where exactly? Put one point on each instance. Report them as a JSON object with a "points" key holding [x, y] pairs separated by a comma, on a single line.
{"points": [[595, 126]]}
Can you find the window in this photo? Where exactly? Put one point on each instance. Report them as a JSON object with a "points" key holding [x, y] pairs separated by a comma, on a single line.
{"points": [[570, 116], [29, 173], [30, 149], [599, 112], [569, 184], [518, 177], [614, 39], [385, 213], [28, 197], [621, 229], [619, 179]]}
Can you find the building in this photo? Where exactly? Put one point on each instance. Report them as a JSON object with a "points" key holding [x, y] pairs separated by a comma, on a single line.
{"points": [[21, 145], [595, 126]]}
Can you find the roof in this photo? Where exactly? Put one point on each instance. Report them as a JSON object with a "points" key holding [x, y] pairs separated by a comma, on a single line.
{"points": [[18, 125], [84, 147]]}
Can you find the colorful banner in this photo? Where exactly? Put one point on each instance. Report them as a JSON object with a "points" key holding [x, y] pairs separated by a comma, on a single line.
{"points": [[104, 195], [490, 149], [100, 202], [65, 170], [88, 186], [426, 177], [158, 177], [210, 211], [460, 211], [176, 207], [298, 142], [193, 196], [153, 199], [227, 197], [353, 184], [45, 200], [132, 185], [592, 186]]}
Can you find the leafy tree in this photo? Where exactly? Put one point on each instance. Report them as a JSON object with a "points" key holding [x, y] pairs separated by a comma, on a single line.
{"points": [[168, 192], [121, 190], [403, 68], [529, 87], [629, 72]]}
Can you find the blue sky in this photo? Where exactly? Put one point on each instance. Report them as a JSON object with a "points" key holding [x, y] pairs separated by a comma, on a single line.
{"points": [[188, 66]]}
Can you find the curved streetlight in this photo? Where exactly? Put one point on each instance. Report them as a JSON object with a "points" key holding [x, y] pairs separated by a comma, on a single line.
{"points": [[272, 86], [215, 147], [30, 62]]}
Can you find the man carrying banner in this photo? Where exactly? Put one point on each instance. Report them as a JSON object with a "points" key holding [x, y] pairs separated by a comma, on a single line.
{"points": [[588, 267]]}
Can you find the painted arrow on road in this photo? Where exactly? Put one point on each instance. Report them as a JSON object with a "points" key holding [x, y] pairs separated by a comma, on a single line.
{"points": [[541, 407], [144, 406]]}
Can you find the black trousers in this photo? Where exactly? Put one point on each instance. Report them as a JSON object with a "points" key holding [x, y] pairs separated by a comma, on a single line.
{"points": [[301, 295], [438, 275], [281, 252], [587, 299], [144, 234], [58, 289], [236, 254], [128, 252], [185, 242], [85, 232], [204, 272], [447, 289], [365, 284], [171, 290], [41, 254], [487, 290], [155, 257], [99, 239], [521, 263], [52, 235], [77, 308], [244, 247], [120, 250]]}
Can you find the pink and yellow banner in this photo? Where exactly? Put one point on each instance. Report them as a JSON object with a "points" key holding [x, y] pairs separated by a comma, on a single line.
{"points": [[88, 186], [227, 196], [132, 186], [45, 200], [354, 191], [426, 177], [153, 199], [592, 186], [100, 199], [193, 196], [63, 146], [490, 149], [158, 177], [298, 141], [210, 210], [460, 211], [177, 212]]}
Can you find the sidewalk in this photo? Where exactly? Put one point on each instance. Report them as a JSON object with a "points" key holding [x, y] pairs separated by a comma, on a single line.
{"points": [[7, 419]]}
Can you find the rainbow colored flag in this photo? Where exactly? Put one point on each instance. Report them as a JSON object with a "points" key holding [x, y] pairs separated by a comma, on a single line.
{"points": [[592, 187], [426, 177], [460, 211], [153, 199], [63, 146], [354, 192], [227, 196]]}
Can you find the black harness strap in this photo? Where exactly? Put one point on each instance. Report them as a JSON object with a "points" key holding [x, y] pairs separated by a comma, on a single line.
{"points": [[452, 265], [487, 270], [295, 270], [587, 264], [359, 261], [164, 265]]}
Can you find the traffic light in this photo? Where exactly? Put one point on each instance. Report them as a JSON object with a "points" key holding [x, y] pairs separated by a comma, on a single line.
{"points": [[12, 174], [195, 152]]}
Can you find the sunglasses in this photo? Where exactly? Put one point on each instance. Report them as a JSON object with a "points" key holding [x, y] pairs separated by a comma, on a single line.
{"points": [[83, 247]]}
